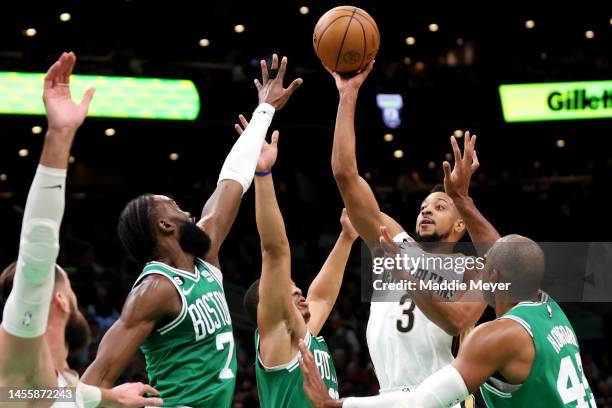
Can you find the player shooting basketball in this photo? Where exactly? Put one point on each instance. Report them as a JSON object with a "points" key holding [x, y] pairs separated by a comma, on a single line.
{"points": [[41, 321], [176, 312], [276, 305], [417, 334], [528, 357]]}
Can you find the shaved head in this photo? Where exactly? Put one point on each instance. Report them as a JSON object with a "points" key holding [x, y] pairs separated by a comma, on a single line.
{"points": [[519, 261]]}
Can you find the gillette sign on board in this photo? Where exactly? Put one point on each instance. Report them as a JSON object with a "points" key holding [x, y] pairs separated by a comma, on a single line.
{"points": [[556, 101]]}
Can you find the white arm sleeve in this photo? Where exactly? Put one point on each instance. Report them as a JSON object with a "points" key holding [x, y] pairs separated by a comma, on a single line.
{"points": [[443, 389], [27, 308], [241, 161]]}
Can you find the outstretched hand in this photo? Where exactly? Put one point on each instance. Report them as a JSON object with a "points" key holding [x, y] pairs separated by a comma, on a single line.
{"points": [[457, 182], [353, 83], [269, 151], [314, 387], [271, 90], [62, 112]]}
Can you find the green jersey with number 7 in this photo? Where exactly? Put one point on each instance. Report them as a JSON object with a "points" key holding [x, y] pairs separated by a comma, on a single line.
{"points": [[556, 378], [191, 360]]}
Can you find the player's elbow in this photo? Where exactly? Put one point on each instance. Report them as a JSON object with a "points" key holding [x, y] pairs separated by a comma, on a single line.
{"points": [[343, 172], [97, 374], [275, 249]]}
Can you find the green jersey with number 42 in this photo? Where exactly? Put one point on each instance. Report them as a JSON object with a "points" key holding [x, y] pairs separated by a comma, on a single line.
{"points": [[191, 360], [556, 378]]}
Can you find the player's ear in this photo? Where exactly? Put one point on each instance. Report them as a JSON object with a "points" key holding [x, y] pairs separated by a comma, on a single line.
{"points": [[166, 226], [460, 226], [61, 301]]}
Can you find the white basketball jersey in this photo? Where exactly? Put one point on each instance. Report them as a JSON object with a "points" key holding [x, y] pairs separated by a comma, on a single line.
{"points": [[405, 346]]}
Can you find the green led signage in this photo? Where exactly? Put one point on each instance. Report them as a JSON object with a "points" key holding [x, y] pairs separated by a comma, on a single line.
{"points": [[115, 97], [556, 101]]}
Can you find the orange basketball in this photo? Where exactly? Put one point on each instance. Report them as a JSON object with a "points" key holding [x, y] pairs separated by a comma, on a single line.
{"points": [[346, 39]]}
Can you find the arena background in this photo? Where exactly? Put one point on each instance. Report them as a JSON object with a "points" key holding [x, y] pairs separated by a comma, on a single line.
{"points": [[549, 181]]}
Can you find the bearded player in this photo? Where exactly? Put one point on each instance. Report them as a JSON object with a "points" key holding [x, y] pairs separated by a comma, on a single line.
{"points": [[410, 340], [276, 305], [528, 357], [41, 321], [176, 312]]}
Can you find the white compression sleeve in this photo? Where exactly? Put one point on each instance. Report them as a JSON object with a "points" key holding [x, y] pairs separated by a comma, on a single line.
{"points": [[27, 307], [443, 389], [241, 161]]}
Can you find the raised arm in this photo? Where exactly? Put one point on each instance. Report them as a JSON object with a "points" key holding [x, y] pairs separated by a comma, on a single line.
{"points": [[357, 195], [237, 172], [26, 358], [147, 304], [324, 289], [457, 184], [277, 319]]}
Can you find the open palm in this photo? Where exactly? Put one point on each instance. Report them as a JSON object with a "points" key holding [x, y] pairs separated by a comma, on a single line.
{"points": [[269, 151], [62, 111]]}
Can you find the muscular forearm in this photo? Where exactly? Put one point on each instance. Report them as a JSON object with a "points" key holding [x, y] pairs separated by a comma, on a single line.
{"points": [[56, 149], [482, 232], [97, 374], [451, 315], [344, 159], [270, 224]]}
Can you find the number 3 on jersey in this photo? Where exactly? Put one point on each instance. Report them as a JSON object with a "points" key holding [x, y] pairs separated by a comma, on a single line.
{"points": [[406, 321]]}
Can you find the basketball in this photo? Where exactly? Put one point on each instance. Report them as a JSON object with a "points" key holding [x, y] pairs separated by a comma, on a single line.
{"points": [[346, 39]]}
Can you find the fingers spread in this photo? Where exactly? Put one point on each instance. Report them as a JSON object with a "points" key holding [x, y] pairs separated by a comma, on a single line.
{"points": [[87, 96], [275, 136], [475, 163], [243, 120], [447, 170], [456, 150], [264, 72], [295, 84], [274, 61], [282, 69]]}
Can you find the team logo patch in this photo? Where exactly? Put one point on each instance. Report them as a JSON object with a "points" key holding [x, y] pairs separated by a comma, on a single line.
{"points": [[179, 281], [27, 318]]}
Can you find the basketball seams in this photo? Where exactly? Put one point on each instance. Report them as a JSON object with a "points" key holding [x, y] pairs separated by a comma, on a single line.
{"points": [[325, 30], [344, 38], [365, 16], [365, 44]]}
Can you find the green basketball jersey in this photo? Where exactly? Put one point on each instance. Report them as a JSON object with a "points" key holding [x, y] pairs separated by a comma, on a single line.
{"points": [[281, 386], [191, 361], [556, 378]]}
